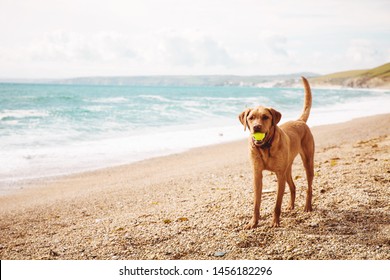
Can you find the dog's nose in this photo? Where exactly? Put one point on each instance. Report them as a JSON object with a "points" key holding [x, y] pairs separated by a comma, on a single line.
{"points": [[257, 128]]}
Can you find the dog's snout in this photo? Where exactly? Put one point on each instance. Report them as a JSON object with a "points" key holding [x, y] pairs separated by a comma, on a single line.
{"points": [[257, 128]]}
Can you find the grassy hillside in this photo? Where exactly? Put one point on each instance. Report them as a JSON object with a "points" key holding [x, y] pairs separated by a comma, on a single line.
{"points": [[378, 77], [382, 71], [341, 75]]}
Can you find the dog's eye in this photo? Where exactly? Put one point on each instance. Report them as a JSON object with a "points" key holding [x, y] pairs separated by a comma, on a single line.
{"points": [[264, 118], [251, 118]]}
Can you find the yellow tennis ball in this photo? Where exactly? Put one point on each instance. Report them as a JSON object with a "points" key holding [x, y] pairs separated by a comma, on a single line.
{"points": [[258, 136]]}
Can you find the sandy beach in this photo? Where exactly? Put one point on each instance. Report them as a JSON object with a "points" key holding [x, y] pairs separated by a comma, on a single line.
{"points": [[194, 204]]}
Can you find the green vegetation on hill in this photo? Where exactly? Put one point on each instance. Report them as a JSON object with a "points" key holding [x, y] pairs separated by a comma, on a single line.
{"points": [[341, 75], [368, 78], [382, 71]]}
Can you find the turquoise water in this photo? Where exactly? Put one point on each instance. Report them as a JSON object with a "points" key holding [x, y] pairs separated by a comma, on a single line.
{"points": [[58, 129]]}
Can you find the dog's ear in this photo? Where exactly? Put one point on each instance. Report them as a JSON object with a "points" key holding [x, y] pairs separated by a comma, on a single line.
{"points": [[242, 117], [276, 116]]}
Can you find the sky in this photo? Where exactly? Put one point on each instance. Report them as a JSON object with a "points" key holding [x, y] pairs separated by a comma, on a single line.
{"points": [[73, 38]]}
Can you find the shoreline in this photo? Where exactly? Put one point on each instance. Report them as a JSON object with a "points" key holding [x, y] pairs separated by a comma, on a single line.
{"points": [[193, 204]]}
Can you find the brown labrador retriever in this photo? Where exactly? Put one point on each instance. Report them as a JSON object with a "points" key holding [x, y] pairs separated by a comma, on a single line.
{"points": [[277, 151]]}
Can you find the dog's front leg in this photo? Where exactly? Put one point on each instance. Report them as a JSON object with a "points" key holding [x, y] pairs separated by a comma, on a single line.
{"points": [[279, 198], [257, 188]]}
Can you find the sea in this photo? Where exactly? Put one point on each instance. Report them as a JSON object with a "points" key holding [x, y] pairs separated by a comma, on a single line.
{"points": [[51, 130]]}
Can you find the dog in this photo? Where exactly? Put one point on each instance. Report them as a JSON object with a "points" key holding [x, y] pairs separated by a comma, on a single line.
{"points": [[277, 151]]}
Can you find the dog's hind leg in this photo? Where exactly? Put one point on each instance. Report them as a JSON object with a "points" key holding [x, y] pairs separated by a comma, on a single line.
{"points": [[308, 163], [292, 188]]}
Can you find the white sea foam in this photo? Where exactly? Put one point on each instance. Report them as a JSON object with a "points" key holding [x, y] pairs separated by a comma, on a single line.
{"points": [[156, 97], [341, 112], [109, 100], [19, 114]]}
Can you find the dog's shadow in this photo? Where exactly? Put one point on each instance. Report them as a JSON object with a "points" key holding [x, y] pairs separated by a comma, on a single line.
{"points": [[370, 227], [321, 234]]}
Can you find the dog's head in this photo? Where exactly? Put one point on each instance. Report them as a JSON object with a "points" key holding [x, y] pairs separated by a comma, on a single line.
{"points": [[260, 119]]}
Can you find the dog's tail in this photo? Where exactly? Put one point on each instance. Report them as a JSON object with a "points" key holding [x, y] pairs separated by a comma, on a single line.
{"points": [[307, 103]]}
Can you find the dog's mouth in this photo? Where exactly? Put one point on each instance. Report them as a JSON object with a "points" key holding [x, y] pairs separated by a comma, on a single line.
{"points": [[259, 140]]}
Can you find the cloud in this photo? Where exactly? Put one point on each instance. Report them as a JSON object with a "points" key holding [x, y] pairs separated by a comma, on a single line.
{"points": [[116, 46], [192, 51], [191, 37], [165, 50], [213, 53], [177, 50], [68, 47], [361, 51], [364, 53], [277, 44], [59, 46]]}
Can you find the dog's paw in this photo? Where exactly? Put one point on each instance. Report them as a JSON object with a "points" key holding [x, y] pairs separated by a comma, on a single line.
{"points": [[275, 223], [308, 208], [250, 225]]}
